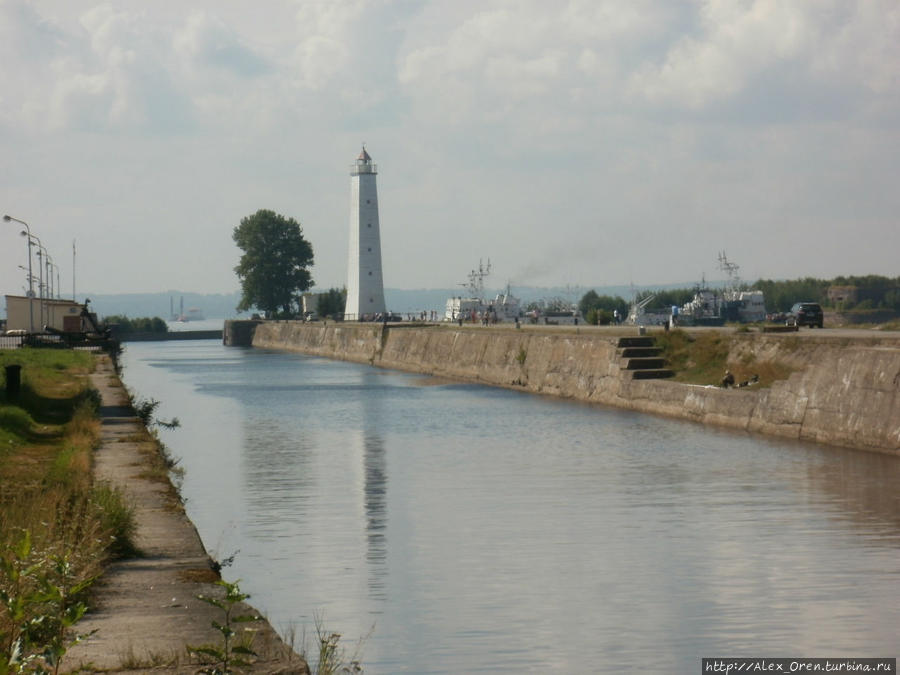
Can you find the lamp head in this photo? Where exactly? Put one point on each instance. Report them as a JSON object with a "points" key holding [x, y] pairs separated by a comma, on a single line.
{"points": [[7, 218]]}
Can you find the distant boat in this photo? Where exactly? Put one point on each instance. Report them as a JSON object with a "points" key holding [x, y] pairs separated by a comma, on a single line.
{"points": [[193, 314], [708, 307], [504, 307]]}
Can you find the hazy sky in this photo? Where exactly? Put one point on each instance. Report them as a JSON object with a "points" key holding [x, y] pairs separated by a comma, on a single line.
{"points": [[583, 142]]}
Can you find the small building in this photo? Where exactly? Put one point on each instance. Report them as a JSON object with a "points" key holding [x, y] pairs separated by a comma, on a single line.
{"points": [[32, 314], [841, 294]]}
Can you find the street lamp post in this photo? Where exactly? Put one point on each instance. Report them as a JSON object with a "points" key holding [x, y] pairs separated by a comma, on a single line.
{"points": [[50, 266], [30, 276], [40, 276], [50, 287]]}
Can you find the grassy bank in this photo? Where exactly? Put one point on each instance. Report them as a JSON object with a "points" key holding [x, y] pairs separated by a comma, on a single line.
{"points": [[703, 358], [57, 527]]}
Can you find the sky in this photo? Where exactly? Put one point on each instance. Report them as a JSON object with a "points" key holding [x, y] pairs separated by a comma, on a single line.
{"points": [[574, 142]]}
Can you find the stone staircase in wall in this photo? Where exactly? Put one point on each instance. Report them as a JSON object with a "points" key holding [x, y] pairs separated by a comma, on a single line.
{"points": [[640, 359]]}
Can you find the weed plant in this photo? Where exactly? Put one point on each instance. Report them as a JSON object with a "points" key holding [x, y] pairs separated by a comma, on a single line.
{"points": [[145, 409], [333, 659], [235, 649], [163, 466], [56, 527]]}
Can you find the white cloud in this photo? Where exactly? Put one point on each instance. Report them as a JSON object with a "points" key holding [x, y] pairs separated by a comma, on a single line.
{"points": [[508, 123], [206, 42], [864, 46], [738, 40], [826, 45], [529, 65], [108, 71], [325, 33], [494, 44]]}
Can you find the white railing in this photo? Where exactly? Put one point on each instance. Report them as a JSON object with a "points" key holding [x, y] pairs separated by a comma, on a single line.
{"points": [[356, 169]]}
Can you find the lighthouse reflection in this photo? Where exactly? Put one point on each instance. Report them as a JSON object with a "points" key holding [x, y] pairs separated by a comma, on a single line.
{"points": [[346, 472], [375, 482], [375, 492]]}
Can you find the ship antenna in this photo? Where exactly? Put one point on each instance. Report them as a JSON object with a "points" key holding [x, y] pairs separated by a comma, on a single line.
{"points": [[731, 269]]}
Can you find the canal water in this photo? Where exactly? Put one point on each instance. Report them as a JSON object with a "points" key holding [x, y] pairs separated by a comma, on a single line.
{"points": [[453, 528]]}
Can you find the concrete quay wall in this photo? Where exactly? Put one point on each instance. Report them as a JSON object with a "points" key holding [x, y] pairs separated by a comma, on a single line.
{"points": [[843, 391]]}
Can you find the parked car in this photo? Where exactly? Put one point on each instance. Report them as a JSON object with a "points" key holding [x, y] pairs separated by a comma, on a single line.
{"points": [[805, 314]]}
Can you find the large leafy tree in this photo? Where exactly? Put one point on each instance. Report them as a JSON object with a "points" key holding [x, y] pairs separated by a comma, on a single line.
{"points": [[274, 267], [603, 307]]}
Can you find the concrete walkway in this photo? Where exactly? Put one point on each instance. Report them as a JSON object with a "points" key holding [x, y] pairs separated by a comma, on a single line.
{"points": [[145, 609]]}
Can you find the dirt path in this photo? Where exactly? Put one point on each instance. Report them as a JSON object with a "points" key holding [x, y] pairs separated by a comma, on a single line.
{"points": [[146, 609]]}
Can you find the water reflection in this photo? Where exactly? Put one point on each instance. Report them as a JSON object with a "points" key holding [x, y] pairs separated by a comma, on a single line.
{"points": [[489, 530], [872, 504], [288, 470], [276, 466], [375, 492]]}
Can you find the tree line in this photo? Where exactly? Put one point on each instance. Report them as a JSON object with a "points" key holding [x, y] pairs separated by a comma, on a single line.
{"points": [[871, 291], [849, 293], [143, 324]]}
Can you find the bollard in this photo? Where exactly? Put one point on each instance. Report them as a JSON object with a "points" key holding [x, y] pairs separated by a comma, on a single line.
{"points": [[13, 380]]}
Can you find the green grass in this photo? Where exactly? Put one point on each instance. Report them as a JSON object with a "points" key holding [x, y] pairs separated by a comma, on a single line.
{"points": [[116, 514], [56, 527], [45, 368], [703, 358], [697, 359], [15, 425], [54, 382]]}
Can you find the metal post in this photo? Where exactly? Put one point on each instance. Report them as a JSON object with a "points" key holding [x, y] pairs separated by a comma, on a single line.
{"points": [[41, 281], [30, 276], [49, 262]]}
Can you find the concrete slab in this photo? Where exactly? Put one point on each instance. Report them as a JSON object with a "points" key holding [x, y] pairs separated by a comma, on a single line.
{"points": [[145, 610]]}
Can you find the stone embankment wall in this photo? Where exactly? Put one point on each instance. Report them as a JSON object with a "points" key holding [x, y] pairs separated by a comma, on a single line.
{"points": [[843, 391]]}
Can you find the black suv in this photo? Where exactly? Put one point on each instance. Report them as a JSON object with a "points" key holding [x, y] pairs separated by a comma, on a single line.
{"points": [[805, 314]]}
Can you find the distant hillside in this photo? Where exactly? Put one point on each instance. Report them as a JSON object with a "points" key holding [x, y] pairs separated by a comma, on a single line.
{"points": [[214, 306]]}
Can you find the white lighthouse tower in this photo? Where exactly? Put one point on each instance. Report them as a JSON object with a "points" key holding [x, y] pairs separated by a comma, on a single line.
{"points": [[365, 284]]}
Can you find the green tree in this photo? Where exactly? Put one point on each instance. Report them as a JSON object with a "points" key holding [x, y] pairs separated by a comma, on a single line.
{"points": [[332, 302], [599, 308], [144, 324], [274, 267], [599, 317], [780, 295]]}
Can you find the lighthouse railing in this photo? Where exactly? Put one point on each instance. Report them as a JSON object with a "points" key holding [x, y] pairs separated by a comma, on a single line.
{"points": [[363, 168]]}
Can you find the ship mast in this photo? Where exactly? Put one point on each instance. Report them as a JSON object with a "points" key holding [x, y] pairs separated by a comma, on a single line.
{"points": [[475, 284], [731, 269]]}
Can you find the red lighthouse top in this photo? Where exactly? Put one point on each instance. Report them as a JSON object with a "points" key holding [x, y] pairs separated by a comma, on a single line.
{"points": [[363, 164]]}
